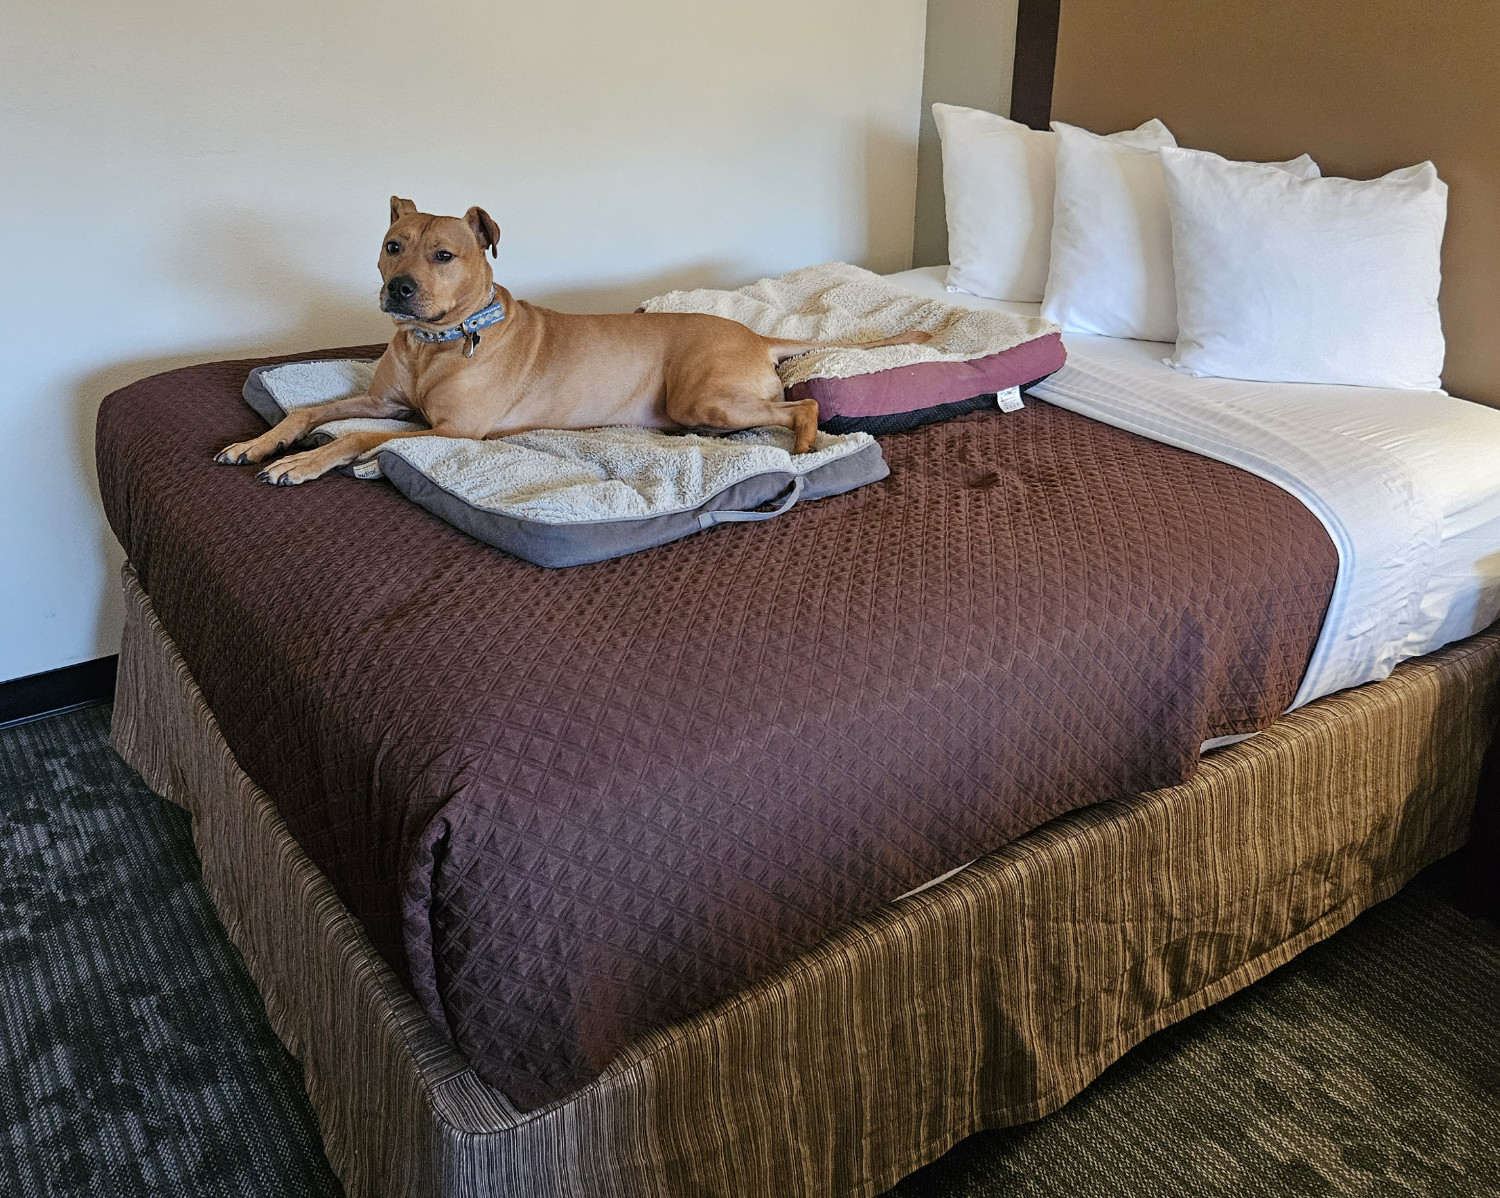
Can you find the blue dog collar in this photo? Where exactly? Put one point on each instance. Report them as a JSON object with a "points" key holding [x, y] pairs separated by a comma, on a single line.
{"points": [[468, 328]]}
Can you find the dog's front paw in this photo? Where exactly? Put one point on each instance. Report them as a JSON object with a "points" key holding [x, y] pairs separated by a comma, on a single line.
{"points": [[298, 468], [243, 452]]}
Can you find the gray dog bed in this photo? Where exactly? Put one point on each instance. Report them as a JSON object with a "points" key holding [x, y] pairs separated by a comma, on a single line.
{"points": [[563, 498]]}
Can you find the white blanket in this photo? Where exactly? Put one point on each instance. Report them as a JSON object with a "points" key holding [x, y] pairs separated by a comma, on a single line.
{"points": [[1407, 484], [839, 302]]}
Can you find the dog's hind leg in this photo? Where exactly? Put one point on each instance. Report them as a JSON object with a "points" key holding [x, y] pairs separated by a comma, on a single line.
{"points": [[734, 411], [803, 421]]}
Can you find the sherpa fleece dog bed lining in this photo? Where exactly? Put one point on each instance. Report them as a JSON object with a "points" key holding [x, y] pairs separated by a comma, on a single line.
{"points": [[569, 497]]}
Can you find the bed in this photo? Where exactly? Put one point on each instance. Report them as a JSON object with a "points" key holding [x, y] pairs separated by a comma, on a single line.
{"points": [[549, 899]]}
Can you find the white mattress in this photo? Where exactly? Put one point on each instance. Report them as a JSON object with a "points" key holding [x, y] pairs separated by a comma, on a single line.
{"points": [[1406, 482]]}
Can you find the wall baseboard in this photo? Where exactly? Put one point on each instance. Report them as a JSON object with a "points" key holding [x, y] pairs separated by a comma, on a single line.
{"points": [[37, 696]]}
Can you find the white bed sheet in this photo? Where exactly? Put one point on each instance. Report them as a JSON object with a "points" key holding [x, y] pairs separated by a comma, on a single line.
{"points": [[1406, 482]]}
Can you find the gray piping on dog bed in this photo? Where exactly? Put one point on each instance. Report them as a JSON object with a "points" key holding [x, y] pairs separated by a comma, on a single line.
{"points": [[259, 396], [577, 544]]}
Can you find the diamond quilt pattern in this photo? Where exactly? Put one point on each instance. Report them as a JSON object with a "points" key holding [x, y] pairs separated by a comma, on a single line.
{"points": [[573, 805]]}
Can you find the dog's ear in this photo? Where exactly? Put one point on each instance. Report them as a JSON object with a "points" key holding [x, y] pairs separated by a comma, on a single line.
{"points": [[486, 231], [400, 208]]}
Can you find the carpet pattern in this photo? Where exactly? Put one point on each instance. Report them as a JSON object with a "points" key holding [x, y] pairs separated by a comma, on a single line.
{"points": [[1369, 1065], [135, 1057]]}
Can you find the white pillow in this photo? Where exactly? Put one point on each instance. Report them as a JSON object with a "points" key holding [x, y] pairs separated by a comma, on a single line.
{"points": [[1307, 281], [1111, 270], [1111, 264], [997, 187]]}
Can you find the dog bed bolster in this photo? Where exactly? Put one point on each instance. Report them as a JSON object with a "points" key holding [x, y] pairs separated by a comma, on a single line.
{"points": [[972, 354]]}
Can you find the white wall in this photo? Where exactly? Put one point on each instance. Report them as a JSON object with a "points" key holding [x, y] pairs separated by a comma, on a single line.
{"points": [[184, 180]]}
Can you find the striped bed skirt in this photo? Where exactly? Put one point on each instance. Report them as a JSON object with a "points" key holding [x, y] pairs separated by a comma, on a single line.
{"points": [[986, 1000]]}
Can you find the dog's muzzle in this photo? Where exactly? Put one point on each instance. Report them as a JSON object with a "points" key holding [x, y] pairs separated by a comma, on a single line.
{"points": [[398, 294]]}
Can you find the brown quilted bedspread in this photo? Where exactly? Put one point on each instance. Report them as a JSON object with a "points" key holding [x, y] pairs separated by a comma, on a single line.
{"points": [[571, 805]]}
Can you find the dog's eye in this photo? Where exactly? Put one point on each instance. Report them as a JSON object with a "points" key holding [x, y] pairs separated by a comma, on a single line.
{"points": [[443, 256], [392, 247]]}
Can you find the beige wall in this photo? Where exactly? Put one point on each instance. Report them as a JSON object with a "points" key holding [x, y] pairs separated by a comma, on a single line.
{"points": [[184, 180], [970, 45]]}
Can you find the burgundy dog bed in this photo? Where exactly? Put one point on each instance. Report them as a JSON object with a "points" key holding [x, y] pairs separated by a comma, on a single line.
{"points": [[908, 396], [971, 356]]}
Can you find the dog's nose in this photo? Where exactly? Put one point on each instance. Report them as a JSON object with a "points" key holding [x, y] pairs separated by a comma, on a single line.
{"points": [[402, 287]]}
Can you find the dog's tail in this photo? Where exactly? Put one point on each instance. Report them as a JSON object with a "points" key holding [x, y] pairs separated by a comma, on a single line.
{"points": [[782, 348]]}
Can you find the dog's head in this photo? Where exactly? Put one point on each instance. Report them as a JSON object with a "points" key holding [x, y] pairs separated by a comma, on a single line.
{"points": [[433, 268]]}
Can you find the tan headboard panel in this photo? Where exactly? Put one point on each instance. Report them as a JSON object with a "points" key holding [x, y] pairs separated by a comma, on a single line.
{"points": [[1364, 86]]}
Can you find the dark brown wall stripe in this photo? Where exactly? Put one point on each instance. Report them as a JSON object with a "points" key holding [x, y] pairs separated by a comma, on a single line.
{"points": [[1036, 59]]}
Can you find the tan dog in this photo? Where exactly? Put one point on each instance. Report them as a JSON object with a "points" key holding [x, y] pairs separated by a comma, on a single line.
{"points": [[534, 368]]}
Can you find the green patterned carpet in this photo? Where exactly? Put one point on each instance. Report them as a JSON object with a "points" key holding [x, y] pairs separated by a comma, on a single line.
{"points": [[1369, 1065], [135, 1057]]}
